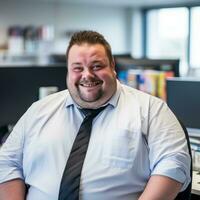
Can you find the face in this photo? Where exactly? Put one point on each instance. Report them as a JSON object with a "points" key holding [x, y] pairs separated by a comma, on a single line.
{"points": [[91, 78]]}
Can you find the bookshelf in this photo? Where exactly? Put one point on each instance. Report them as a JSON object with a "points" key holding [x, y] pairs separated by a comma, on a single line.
{"points": [[148, 75], [127, 62]]}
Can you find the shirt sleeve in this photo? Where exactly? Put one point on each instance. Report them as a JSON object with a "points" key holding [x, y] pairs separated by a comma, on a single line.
{"points": [[11, 154], [168, 149]]}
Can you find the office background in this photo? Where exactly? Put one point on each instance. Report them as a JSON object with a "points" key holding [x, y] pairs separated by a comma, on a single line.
{"points": [[152, 28], [147, 34]]}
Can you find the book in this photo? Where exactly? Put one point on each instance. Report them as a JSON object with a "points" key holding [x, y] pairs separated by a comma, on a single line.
{"points": [[149, 81], [133, 76]]}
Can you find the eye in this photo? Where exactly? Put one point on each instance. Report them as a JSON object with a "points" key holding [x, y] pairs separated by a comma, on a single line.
{"points": [[97, 67], [78, 69]]}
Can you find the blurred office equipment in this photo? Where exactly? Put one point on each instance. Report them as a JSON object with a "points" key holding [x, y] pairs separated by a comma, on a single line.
{"points": [[127, 62], [183, 97], [15, 40], [19, 88]]}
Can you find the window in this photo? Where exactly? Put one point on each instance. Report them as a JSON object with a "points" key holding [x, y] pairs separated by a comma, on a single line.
{"points": [[167, 35], [195, 38]]}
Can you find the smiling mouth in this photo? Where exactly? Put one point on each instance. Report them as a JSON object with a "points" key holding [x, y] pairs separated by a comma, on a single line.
{"points": [[90, 84]]}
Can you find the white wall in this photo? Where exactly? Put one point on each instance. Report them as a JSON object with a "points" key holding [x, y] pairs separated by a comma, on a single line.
{"points": [[110, 21]]}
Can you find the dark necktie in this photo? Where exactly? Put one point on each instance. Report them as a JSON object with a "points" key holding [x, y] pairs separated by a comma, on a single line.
{"points": [[69, 188]]}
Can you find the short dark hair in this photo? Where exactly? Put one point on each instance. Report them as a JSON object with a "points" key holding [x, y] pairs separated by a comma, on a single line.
{"points": [[90, 37]]}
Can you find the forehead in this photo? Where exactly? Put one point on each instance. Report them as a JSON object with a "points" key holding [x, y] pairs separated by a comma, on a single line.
{"points": [[87, 50]]}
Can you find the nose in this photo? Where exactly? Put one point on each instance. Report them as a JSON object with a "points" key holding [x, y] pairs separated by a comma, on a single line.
{"points": [[88, 73]]}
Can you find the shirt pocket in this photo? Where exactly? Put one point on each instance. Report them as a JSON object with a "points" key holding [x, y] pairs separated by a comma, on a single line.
{"points": [[119, 148]]}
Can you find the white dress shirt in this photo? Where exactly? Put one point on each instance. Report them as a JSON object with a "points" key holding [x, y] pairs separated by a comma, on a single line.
{"points": [[136, 136]]}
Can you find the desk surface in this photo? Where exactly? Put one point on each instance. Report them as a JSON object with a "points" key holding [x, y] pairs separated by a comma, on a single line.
{"points": [[196, 183]]}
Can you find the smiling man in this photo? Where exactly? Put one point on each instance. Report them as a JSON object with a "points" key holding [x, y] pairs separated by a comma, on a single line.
{"points": [[91, 76], [97, 140]]}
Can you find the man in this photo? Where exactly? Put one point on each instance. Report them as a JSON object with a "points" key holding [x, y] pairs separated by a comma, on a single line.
{"points": [[137, 148]]}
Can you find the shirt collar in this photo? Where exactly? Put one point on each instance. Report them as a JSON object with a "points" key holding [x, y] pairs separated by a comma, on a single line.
{"points": [[113, 101]]}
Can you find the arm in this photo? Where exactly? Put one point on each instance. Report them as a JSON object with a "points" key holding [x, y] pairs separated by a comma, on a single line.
{"points": [[12, 190], [168, 149], [12, 186], [161, 188]]}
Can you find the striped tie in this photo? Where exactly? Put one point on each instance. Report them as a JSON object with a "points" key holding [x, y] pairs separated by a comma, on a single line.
{"points": [[70, 183]]}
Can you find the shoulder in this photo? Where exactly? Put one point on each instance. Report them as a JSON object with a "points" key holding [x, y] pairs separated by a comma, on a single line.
{"points": [[53, 98], [49, 103], [145, 103], [138, 96]]}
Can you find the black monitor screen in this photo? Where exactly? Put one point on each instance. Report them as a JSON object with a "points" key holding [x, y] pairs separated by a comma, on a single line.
{"points": [[19, 88], [183, 97]]}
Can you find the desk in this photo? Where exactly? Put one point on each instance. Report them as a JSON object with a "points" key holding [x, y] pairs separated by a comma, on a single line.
{"points": [[196, 183]]}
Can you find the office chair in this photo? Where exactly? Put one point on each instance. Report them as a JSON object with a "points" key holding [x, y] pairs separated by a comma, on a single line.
{"points": [[186, 194], [4, 132]]}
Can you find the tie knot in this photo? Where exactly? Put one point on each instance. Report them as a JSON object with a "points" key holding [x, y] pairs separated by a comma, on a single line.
{"points": [[92, 112]]}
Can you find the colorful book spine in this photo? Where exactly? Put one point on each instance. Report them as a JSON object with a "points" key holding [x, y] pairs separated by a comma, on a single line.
{"points": [[149, 81]]}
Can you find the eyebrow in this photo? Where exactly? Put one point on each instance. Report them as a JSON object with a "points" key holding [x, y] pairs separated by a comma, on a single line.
{"points": [[93, 62], [99, 61], [76, 63]]}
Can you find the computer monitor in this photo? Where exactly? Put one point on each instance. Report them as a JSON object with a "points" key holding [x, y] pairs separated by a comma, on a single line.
{"points": [[183, 97], [19, 88]]}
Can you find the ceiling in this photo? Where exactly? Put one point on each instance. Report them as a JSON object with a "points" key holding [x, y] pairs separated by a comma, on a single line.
{"points": [[132, 3]]}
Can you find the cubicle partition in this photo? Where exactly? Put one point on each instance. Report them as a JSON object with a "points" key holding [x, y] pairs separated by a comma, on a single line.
{"points": [[183, 97], [20, 87]]}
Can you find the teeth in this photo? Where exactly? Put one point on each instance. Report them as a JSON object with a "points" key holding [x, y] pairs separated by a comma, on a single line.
{"points": [[91, 84]]}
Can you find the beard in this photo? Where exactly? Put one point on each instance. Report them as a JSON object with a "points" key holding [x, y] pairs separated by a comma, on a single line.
{"points": [[90, 90], [91, 93], [90, 98]]}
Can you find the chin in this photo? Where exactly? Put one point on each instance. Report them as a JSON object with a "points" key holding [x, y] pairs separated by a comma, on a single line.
{"points": [[89, 99], [90, 96]]}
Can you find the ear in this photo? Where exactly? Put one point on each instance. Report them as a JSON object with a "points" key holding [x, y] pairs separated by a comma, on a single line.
{"points": [[112, 65]]}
